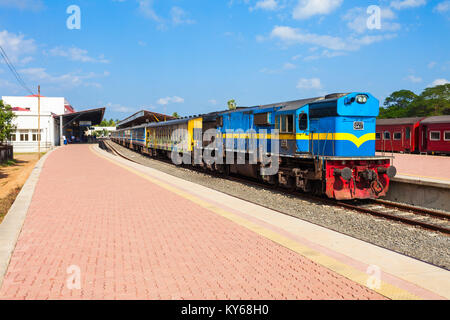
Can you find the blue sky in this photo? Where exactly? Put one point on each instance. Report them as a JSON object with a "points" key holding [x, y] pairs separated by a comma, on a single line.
{"points": [[191, 56]]}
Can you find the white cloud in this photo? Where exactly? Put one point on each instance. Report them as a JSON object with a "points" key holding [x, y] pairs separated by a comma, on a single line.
{"points": [[291, 36], [414, 79], [179, 16], [76, 54], [405, 4], [16, 47], [167, 100], [72, 79], [146, 9], [325, 54], [438, 82], [431, 65], [33, 5], [357, 20], [269, 5], [119, 108], [442, 7], [313, 83], [286, 66], [308, 8], [212, 101]]}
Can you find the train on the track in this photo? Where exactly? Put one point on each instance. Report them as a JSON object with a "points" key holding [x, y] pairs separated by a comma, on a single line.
{"points": [[322, 145], [429, 135]]}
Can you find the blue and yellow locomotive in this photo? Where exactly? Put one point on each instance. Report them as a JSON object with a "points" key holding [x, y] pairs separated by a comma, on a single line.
{"points": [[324, 145]]}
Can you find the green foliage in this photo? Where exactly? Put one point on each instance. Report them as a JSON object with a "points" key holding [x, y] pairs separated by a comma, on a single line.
{"points": [[108, 123], [433, 101], [231, 104], [175, 115], [6, 118]]}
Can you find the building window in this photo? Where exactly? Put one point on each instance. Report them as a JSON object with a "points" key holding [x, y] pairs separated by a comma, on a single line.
{"points": [[435, 135], [387, 135], [12, 137], [447, 135], [397, 136], [378, 136], [24, 135], [36, 136]]}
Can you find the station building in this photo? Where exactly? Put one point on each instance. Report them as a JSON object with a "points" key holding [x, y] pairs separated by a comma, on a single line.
{"points": [[57, 119]]}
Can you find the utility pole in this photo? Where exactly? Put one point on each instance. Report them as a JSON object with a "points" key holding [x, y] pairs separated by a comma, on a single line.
{"points": [[39, 122]]}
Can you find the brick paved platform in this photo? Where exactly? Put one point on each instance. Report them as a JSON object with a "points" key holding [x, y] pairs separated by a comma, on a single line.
{"points": [[133, 239], [422, 166]]}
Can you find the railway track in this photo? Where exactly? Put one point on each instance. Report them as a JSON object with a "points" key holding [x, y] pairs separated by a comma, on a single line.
{"points": [[414, 216]]}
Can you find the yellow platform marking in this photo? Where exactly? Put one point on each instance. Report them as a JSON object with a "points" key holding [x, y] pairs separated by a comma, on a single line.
{"points": [[386, 289]]}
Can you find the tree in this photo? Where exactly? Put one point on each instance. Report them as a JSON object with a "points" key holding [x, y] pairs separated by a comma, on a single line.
{"points": [[433, 101], [175, 115], [232, 104], [6, 118], [397, 104]]}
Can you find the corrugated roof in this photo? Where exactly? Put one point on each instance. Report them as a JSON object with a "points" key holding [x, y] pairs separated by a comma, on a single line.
{"points": [[437, 119], [398, 121]]}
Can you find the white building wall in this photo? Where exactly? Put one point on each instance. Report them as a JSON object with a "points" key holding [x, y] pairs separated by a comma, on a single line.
{"points": [[27, 122]]}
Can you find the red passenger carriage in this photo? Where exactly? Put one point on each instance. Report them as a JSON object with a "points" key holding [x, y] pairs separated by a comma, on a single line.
{"points": [[398, 135], [435, 135]]}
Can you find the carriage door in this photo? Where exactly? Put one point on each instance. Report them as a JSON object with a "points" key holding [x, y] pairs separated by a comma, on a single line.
{"points": [[424, 139], [302, 128]]}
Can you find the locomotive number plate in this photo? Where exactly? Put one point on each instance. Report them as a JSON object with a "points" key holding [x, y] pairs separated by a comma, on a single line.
{"points": [[358, 125]]}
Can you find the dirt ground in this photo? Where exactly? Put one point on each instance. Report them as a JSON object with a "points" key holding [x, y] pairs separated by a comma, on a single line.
{"points": [[12, 178]]}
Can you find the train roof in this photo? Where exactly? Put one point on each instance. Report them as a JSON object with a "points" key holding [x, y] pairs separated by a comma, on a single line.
{"points": [[437, 119], [398, 121]]}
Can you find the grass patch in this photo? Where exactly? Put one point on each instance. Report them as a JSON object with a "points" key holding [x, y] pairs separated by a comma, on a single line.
{"points": [[8, 163], [7, 202]]}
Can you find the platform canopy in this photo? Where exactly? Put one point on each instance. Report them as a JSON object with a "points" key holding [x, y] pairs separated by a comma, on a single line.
{"points": [[142, 117], [91, 117]]}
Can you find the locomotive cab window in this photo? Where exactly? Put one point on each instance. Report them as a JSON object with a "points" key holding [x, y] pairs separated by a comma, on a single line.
{"points": [[303, 122], [435, 135], [397, 136], [447, 136], [378, 136], [387, 135]]}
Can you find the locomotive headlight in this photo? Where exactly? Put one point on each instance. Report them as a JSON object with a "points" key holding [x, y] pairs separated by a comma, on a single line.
{"points": [[361, 98]]}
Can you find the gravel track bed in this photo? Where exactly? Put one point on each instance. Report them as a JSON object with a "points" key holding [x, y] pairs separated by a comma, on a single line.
{"points": [[415, 242]]}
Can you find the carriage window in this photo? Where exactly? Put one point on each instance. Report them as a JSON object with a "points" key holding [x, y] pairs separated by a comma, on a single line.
{"points": [[435, 135], [408, 133], [397, 136], [447, 135], [387, 135], [378, 136], [303, 122]]}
